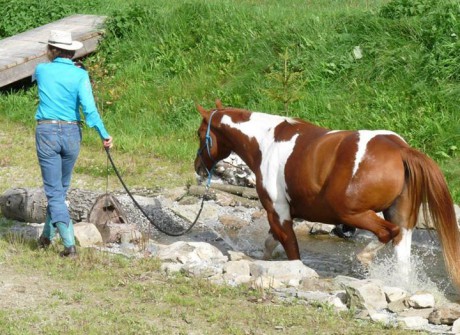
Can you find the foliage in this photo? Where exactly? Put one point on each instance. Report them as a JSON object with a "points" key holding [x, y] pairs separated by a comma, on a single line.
{"points": [[340, 64], [21, 15]]}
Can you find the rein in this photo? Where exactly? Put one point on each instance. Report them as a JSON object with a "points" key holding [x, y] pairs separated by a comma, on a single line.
{"points": [[185, 231], [207, 145]]}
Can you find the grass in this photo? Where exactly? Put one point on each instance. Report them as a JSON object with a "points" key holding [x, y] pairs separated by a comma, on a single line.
{"points": [[160, 58], [100, 293]]}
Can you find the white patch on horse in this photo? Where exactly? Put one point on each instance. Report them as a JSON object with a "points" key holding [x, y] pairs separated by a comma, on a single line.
{"points": [[275, 154], [403, 251], [364, 137]]}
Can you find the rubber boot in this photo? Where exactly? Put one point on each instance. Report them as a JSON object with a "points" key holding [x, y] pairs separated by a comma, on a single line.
{"points": [[68, 238], [49, 231]]}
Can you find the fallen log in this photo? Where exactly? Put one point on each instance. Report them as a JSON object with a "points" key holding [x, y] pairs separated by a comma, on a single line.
{"points": [[223, 198], [29, 205], [242, 191]]}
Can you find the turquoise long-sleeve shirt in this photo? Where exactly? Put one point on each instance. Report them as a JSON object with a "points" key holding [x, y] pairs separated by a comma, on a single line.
{"points": [[62, 88]]}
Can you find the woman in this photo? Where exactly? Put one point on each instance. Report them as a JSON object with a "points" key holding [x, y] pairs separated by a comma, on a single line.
{"points": [[63, 88]]}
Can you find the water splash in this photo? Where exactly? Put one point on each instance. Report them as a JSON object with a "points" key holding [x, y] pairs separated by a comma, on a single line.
{"points": [[421, 277]]}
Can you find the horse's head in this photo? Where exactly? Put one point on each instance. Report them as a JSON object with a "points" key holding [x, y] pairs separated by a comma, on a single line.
{"points": [[213, 146]]}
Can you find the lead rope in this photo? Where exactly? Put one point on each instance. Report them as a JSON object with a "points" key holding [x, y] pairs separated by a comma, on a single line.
{"points": [[185, 231]]}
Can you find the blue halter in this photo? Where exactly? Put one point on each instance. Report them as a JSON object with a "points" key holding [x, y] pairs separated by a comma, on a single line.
{"points": [[208, 145]]}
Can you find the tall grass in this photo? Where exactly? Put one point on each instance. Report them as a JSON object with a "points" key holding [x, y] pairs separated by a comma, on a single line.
{"points": [[160, 58]]}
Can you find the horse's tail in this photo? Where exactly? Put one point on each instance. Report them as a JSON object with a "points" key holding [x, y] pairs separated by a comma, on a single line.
{"points": [[427, 186]]}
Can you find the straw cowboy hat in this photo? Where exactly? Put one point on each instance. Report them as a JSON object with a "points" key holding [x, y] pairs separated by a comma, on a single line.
{"points": [[63, 40]]}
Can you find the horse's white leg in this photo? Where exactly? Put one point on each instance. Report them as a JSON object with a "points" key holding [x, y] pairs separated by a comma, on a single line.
{"points": [[402, 252], [368, 253], [270, 245]]}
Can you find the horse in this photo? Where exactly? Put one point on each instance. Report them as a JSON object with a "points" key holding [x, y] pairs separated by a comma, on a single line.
{"points": [[336, 177]]}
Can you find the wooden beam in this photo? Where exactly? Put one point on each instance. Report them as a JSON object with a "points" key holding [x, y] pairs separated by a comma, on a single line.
{"points": [[20, 54]]}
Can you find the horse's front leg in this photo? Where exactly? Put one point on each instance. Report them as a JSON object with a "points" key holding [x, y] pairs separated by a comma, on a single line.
{"points": [[282, 231]]}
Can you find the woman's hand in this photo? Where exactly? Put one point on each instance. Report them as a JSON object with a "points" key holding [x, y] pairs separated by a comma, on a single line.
{"points": [[108, 142]]}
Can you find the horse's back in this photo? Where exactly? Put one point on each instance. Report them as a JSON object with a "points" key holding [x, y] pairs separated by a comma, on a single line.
{"points": [[344, 171]]}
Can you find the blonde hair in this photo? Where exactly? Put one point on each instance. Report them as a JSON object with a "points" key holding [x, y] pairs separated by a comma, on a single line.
{"points": [[54, 52]]}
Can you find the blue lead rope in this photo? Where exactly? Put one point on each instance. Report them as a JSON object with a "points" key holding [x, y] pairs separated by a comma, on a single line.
{"points": [[208, 144]]}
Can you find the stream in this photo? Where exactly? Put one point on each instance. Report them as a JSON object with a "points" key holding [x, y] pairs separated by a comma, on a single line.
{"points": [[331, 256]]}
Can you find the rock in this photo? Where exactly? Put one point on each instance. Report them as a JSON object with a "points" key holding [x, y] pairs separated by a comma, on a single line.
{"points": [[421, 300], [445, 314], [363, 294], [397, 306], [413, 322], [237, 272], [456, 327], [382, 317], [319, 284], [232, 222], [287, 272], [394, 293], [191, 252], [171, 267], [266, 282], [202, 270], [87, 234], [333, 299], [238, 255], [314, 228], [113, 232], [188, 200], [421, 312], [28, 231]]}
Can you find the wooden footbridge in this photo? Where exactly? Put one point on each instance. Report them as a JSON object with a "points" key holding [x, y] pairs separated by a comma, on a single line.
{"points": [[20, 54]]}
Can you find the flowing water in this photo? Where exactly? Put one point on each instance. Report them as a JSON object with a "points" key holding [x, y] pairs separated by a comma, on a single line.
{"points": [[331, 256]]}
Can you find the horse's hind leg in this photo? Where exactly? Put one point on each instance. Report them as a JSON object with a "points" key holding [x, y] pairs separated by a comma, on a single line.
{"points": [[400, 213], [384, 230]]}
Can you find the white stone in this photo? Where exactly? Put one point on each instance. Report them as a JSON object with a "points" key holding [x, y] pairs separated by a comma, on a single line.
{"points": [[413, 322], [456, 327], [322, 297], [191, 252], [266, 282], [381, 317], [421, 300], [87, 234], [235, 269], [284, 271], [394, 293], [363, 294], [237, 256]]}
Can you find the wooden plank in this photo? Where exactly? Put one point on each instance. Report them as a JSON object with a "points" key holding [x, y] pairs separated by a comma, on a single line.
{"points": [[20, 54]]}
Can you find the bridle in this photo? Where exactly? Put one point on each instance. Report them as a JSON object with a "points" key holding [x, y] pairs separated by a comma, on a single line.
{"points": [[207, 145]]}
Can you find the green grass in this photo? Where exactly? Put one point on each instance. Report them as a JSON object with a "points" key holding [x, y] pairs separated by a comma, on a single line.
{"points": [[160, 58]]}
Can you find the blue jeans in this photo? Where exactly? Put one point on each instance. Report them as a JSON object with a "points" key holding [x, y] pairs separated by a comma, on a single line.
{"points": [[58, 146]]}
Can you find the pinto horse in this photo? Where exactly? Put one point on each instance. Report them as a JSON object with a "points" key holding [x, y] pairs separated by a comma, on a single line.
{"points": [[335, 177]]}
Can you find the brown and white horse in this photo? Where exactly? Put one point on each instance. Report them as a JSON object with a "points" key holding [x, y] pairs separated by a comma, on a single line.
{"points": [[336, 177]]}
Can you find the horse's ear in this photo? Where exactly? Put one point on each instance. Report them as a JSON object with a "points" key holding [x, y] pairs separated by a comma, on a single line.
{"points": [[203, 112], [219, 104]]}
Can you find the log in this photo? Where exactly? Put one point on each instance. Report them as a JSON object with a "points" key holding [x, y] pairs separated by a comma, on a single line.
{"points": [[29, 204], [246, 192], [222, 197]]}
